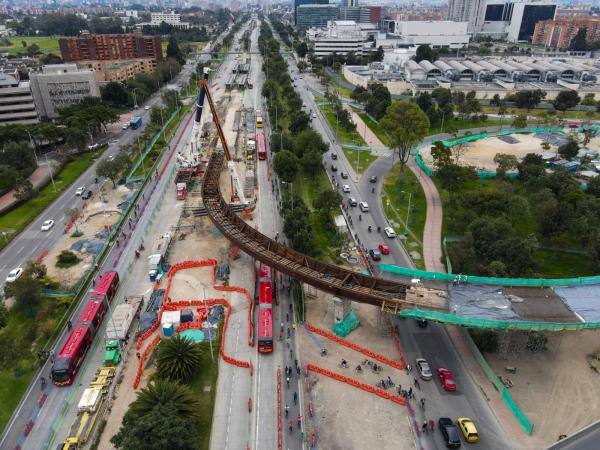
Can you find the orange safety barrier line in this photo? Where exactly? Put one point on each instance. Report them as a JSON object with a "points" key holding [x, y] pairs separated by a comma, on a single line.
{"points": [[143, 356], [353, 346], [358, 384], [279, 424]]}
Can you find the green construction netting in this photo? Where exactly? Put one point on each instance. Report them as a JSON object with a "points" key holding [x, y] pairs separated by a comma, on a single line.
{"points": [[499, 325], [349, 323], [415, 273]]}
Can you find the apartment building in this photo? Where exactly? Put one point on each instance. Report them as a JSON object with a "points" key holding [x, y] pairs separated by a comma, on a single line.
{"points": [[105, 47], [558, 33]]}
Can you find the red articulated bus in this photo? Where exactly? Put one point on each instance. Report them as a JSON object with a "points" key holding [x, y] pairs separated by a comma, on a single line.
{"points": [[261, 146], [107, 286], [265, 309], [67, 362]]}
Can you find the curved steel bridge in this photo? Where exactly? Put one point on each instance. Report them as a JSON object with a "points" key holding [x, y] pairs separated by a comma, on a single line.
{"points": [[336, 280]]}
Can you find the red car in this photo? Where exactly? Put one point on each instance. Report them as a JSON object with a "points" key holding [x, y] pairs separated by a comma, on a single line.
{"points": [[384, 249], [446, 379]]}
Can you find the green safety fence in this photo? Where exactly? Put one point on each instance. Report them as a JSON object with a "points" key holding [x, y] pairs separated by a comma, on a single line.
{"points": [[535, 282], [492, 324], [422, 165]]}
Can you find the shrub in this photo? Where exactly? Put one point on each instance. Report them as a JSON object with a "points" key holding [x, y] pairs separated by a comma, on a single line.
{"points": [[67, 259]]}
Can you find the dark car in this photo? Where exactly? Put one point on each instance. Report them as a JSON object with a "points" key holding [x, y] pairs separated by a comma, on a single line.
{"points": [[375, 254], [86, 195], [344, 175], [422, 323], [333, 155], [449, 432], [373, 179], [333, 168]]}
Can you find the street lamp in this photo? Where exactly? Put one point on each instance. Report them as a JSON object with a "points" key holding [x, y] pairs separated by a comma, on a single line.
{"points": [[407, 212], [34, 146]]}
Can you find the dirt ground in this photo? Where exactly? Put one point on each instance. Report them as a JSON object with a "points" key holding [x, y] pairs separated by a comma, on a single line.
{"points": [[339, 406], [480, 154], [556, 388], [100, 213]]}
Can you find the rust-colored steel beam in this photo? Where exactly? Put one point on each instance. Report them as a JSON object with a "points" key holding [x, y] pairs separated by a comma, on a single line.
{"points": [[327, 277]]}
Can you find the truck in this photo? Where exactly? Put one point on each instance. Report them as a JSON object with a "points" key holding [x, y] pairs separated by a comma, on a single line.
{"points": [[135, 122], [118, 327], [183, 179], [181, 189], [157, 261]]}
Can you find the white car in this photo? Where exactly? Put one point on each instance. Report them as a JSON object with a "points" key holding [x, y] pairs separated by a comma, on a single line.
{"points": [[304, 105], [314, 115], [346, 188], [47, 225], [125, 126], [80, 190], [364, 207], [146, 108], [14, 274], [389, 232]]}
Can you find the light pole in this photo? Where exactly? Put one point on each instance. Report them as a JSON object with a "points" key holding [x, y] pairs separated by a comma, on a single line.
{"points": [[51, 176], [135, 105], [407, 212], [34, 146]]}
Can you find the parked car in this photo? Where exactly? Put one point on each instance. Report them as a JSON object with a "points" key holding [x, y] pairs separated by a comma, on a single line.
{"points": [[449, 432], [344, 175], [14, 274], [424, 369], [364, 206], [422, 323], [146, 108], [333, 168], [373, 179], [446, 379], [384, 249], [468, 429], [86, 195], [389, 232], [352, 201], [125, 126], [47, 225], [333, 155], [375, 254], [80, 190]]}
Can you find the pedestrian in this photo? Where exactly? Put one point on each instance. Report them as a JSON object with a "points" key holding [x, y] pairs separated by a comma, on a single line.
{"points": [[291, 355], [286, 370], [399, 387], [51, 356], [298, 370], [424, 427], [417, 383], [287, 317], [295, 398], [431, 424], [138, 355], [69, 325], [422, 403], [288, 332], [410, 393]]}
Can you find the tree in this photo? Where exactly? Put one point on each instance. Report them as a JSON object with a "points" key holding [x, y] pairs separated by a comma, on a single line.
{"points": [[378, 100], [50, 58], [178, 359], [593, 186], [8, 178], [308, 140], [569, 149], [23, 188], [302, 66], [302, 50], [165, 392], [519, 121], [285, 164], [529, 99], [33, 50], [115, 93], [405, 125], [110, 169], [566, 100], [424, 53], [505, 163], [173, 50], [311, 163], [270, 89], [531, 167], [441, 154], [336, 66], [27, 289], [328, 200], [579, 41]]}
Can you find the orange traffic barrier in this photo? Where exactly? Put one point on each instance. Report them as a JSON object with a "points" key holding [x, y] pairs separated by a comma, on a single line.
{"points": [[353, 346], [141, 362], [356, 383]]}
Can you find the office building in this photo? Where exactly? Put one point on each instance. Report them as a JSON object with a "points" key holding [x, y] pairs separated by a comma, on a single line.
{"points": [[119, 70], [340, 37], [104, 47], [16, 101], [361, 14], [170, 18], [558, 33], [315, 16], [60, 85], [298, 3], [349, 3], [437, 34]]}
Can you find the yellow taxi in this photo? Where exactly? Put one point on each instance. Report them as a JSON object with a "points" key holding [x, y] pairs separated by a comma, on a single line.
{"points": [[468, 429]]}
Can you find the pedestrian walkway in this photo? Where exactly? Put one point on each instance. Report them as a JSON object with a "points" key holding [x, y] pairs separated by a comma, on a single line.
{"points": [[38, 179]]}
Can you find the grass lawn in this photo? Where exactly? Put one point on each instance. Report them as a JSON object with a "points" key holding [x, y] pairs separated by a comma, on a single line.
{"points": [[344, 92], [360, 158], [558, 264], [566, 115], [12, 389], [207, 378], [395, 204], [46, 44], [374, 126], [20, 217]]}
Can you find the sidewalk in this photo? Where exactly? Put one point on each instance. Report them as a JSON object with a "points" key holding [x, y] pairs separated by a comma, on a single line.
{"points": [[38, 178]]}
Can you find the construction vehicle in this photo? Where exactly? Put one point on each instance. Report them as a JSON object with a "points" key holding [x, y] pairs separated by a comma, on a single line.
{"points": [[118, 328], [112, 353], [157, 261], [183, 179], [89, 410]]}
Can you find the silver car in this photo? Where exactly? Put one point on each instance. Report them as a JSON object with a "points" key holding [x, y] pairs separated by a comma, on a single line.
{"points": [[424, 369]]}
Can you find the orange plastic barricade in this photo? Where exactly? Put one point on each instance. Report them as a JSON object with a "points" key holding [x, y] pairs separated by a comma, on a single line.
{"points": [[353, 346], [356, 383]]}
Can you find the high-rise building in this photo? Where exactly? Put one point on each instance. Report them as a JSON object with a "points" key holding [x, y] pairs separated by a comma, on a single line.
{"points": [[298, 3], [106, 47], [465, 11], [558, 33], [60, 85], [16, 101], [315, 16], [349, 3]]}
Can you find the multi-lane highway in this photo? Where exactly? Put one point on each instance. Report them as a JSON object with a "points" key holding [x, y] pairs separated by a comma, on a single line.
{"points": [[432, 342]]}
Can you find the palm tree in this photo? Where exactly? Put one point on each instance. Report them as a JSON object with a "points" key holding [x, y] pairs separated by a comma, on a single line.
{"points": [[165, 392], [178, 359]]}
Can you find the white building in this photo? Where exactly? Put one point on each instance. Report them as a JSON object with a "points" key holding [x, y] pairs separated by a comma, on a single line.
{"points": [[169, 18], [340, 37], [399, 56], [60, 85], [437, 34], [16, 101]]}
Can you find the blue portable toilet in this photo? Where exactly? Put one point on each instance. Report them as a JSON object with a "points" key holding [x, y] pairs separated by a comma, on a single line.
{"points": [[168, 329]]}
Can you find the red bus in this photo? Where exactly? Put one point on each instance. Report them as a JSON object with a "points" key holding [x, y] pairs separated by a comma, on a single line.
{"points": [[68, 361], [265, 309], [93, 314], [107, 286], [261, 146]]}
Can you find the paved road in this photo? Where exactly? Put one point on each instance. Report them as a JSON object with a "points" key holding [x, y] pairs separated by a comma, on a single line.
{"points": [[433, 343], [50, 424], [585, 439], [32, 241]]}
